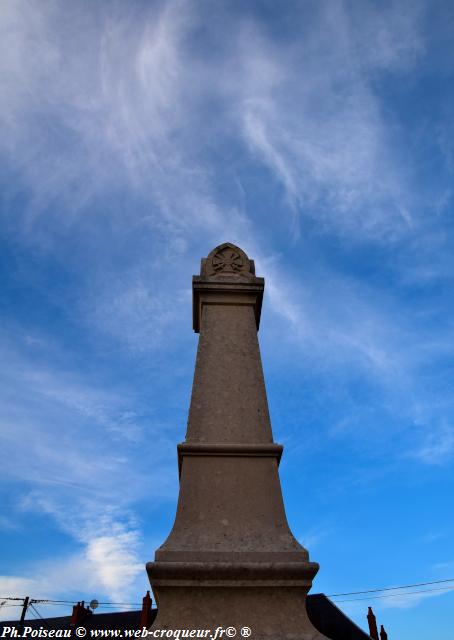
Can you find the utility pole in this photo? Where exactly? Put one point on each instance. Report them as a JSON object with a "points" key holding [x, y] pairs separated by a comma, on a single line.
{"points": [[24, 611]]}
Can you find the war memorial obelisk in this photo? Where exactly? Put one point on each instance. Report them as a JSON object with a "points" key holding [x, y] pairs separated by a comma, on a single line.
{"points": [[231, 559]]}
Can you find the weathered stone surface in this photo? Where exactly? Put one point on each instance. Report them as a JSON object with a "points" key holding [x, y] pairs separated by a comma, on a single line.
{"points": [[228, 397], [231, 559]]}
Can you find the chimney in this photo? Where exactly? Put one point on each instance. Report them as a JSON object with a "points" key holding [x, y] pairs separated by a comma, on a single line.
{"points": [[383, 634], [80, 613], [145, 616], [373, 631], [231, 559]]}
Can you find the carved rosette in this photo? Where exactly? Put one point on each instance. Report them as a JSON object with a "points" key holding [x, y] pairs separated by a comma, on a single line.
{"points": [[227, 260]]}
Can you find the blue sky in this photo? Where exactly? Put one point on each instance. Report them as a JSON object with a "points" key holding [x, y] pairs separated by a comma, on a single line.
{"points": [[318, 136]]}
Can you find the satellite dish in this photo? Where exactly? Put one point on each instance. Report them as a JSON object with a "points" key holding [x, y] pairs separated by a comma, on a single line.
{"points": [[94, 604]]}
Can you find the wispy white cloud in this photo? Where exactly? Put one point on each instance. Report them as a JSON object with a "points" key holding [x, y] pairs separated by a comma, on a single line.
{"points": [[324, 136], [445, 567], [438, 447], [313, 537], [125, 97], [82, 469], [411, 600], [109, 565], [386, 38], [97, 104], [345, 327], [121, 106], [396, 601]]}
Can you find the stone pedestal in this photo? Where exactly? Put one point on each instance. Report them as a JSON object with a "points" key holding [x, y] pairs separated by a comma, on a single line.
{"points": [[231, 559]]}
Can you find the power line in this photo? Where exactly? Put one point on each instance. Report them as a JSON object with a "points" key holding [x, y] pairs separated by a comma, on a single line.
{"points": [[32, 606], [115, 604], [63, 604], [32, 613], [9, 598], [132, 604], [396, 595], [48, 601], [69, 602], [332, 595], [405, 586]]}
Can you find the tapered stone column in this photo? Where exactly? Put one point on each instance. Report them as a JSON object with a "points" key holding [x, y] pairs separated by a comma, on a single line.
{"points": [[231, 559]]}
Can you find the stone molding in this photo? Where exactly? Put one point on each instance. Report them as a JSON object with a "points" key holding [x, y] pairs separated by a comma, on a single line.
{"points": [[206, 291], [226, 574], [211, 449]]}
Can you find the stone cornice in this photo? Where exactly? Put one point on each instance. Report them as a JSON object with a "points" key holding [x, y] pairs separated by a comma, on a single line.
{"points": [[211, 449], [223, 291]]}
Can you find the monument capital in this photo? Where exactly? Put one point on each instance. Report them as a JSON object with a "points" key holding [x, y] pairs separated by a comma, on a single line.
{"points": [[227, 276]]}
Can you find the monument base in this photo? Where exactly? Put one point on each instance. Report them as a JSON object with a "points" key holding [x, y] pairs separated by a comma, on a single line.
{"points": [[270, 600]]}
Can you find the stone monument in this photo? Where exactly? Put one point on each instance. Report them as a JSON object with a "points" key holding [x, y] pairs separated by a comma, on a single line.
{"points": [[231, 559]]}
